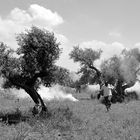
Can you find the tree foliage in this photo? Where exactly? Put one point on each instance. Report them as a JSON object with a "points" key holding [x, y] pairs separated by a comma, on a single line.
{"points": [[86, 58], [39, 51], [63, 76]]}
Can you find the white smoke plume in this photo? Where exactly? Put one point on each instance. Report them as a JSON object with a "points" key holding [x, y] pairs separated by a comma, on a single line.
{"points": [[55, 93], [135, 88], [52, 93], [128, 68], [93, 88]]}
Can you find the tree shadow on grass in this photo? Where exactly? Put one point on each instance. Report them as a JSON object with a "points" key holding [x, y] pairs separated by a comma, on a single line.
{"points": [[14, 117]]}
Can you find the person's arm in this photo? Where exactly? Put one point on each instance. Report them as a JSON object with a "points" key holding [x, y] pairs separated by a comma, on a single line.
{"points": [[101, 91]]}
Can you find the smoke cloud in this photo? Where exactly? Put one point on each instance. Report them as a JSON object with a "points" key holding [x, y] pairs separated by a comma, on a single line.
{"points": [[93, 88], [128, 68], [53, 93], [135, 88]]}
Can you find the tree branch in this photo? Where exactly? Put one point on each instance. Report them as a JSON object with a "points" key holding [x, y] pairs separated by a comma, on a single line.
{"points": [[128, 85], [97, 71], [137, 70]]}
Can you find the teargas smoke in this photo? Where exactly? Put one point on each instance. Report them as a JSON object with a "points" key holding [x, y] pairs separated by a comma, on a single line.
{"points": [[93, 89], [128, 68], [135, 88], [53, 93]]}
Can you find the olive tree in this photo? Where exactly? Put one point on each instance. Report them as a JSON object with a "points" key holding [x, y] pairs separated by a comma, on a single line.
{"points": [[32, 64]]}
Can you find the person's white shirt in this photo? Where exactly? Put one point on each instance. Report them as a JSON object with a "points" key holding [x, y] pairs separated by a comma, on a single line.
{"points": [[106, 90]]}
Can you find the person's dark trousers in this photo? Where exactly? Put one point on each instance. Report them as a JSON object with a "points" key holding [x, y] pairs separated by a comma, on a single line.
{"points": [[107, 102]]}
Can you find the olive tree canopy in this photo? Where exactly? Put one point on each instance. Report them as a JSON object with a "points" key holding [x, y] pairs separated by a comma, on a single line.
{"points": [[86, 57]]}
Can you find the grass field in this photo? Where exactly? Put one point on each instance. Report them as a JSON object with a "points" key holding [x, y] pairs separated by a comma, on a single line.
{"points": [[82, 120]]}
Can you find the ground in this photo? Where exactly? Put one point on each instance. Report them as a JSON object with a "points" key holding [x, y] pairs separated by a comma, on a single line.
{"points": [[82, 120]]}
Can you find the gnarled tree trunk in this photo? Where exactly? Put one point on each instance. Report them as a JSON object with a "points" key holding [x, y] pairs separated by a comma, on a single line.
{"points": [[36, 97], [28, 86]]}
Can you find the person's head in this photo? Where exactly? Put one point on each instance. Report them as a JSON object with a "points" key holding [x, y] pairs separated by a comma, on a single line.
{"points": [[106, 84]]}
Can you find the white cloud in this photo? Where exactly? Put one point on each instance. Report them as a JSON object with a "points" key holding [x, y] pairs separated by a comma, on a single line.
{"points": [[61, 38], [18, 20], [43, 15], [137, 45], [36, 14], [19, 16]]}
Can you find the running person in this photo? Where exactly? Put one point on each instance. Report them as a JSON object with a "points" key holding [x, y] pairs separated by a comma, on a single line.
{"points": [[106, 94]]}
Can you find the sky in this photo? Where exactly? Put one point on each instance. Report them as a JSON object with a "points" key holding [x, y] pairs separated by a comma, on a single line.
{"points": [[110, 25]]}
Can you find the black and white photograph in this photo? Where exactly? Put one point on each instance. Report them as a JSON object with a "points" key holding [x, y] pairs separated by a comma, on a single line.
{"points": [[70, 70]]}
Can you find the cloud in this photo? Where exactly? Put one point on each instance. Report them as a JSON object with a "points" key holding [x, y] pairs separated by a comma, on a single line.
{"points": [[35, 14], [137, 44], [18, 20], [41, 14], [19, 16], [61, 38]]}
